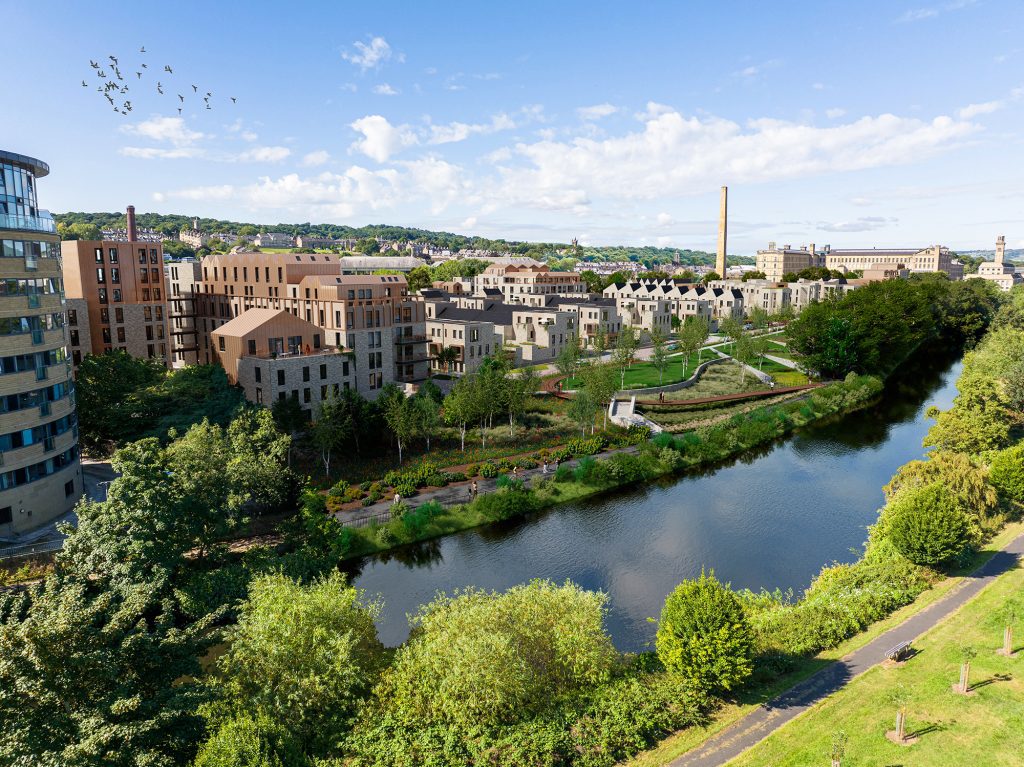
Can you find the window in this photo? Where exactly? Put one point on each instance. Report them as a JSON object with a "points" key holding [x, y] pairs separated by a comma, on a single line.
{"points": [[98, 252], [143, 275], [105, 316], [373, 381], [119, 314], [280, 378], [147, 313], [120, 335], [156, 294], [113, 255], [149, 332], [106, 335], [258, 371], [142, 255], [252, 350], [115, 275], [152, 256], [259, 393], [323, 372], [145, 294], [103, 295], [100, 277], [220, 340], [74, 338], [76, 356], [306, 395], [305, 376], [6, 515]]}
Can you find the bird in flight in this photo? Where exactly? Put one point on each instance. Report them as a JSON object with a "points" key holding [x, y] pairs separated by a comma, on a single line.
{"points": [[138, 75], [114, 59], [142, 49], [102, 74], [159, 89], [233, 99], [182, 98], [195, 89], [179, 110], [93, 64], [84, 84], [145, 66], [167, 68]]}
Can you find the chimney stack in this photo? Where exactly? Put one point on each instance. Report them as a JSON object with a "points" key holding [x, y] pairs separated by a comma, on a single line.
{"points": [[723, 227], [131, 224], [1000, 249]]}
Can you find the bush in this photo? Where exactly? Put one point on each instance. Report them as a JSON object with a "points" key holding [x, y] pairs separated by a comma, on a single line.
{"points": [[563, 474], [435, 480], [927, 527], [584, 470], [369, 501], [398, 509], [589, 446], [405, 489], [526, 463], [1006, 473], [430, 509], [488, 470], [386, 536], [353, 494], [703, 635], [472, 469], [506, 503], [455, 476], [246, 741], [505, 481], [338, 490]]}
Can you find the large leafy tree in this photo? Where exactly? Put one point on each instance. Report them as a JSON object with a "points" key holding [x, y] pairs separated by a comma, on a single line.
{"points": [[332, 429], [94, 677], [103, 385], [928, 526], [483, 658], [703, 635], [302, 656]]}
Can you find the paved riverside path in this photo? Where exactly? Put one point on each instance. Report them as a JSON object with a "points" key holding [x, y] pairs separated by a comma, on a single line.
{"points": [[458, 492], [770, 716]]}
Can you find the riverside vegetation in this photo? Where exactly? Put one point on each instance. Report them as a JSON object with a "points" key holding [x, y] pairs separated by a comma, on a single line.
{"points": [[147, 585]]}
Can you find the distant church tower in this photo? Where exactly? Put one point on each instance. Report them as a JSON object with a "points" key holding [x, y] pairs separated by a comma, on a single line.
{"points": [[1000, 249], [723, 227]]}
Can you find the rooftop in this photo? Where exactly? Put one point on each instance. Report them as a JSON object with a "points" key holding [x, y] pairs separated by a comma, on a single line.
{"points": [[36, 167]]}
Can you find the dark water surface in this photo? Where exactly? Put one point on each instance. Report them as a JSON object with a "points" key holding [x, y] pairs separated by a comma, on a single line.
{"points": [[769, 520]]}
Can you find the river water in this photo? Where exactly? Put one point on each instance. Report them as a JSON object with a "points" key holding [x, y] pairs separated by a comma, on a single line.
{"points": [[770, 519]]}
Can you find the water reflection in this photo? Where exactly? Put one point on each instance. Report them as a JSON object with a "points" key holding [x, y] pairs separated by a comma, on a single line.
{"points": [[770, 518]]}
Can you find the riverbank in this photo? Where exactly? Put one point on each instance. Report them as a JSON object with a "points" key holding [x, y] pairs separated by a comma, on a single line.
{"points": [[424, 518]]}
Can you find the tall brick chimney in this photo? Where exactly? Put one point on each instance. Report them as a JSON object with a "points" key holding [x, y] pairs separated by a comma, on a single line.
{"points": [[132, 235]]}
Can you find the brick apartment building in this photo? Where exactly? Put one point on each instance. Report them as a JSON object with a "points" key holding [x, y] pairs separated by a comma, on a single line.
{"points": [[115, 296]]}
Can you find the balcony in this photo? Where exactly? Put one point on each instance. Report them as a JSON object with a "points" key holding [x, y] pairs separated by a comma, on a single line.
{"points": [[30, 223], [410, 339], [33, 302]]}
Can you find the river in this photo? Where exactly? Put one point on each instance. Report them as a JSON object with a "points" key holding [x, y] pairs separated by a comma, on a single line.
{"points": [[770, 519]]}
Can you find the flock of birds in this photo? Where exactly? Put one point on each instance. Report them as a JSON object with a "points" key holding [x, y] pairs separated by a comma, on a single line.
{"points": [[113, 88]]}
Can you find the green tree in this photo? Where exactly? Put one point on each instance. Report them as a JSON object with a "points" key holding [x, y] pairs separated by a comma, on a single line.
{"points": [[518, 391], [79, 231], [927, 526], [568, 360], [601, 382], [289, 415], [753, 275], [419, 278], [95, 677], [625, 349], [978, 419], [1007, 473], [703, 635], [968, 483], [403, 419], [103, 387], [462, 405], [583, 408], [711, 277], [304, 656], [692, 337], [482, 659], [332, 429], [428, 415], [448, 356], [250, 741]]}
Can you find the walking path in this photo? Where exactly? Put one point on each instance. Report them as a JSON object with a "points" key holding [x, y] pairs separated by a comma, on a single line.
{"points": [[770, 716], [455, 493]]}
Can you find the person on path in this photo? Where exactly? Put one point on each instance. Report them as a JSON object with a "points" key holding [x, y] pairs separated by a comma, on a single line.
{"points": [[545, 469], [515, 472], [472, 489], [398, 498]]}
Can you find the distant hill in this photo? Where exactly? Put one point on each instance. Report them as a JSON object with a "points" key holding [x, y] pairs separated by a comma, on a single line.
{"points": [[1012, 254], [171, 224]]}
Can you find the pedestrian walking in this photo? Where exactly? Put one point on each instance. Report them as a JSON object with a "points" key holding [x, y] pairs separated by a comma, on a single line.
{"points": [[545, 469], [515, 471], [398, 498], [473, 489]]}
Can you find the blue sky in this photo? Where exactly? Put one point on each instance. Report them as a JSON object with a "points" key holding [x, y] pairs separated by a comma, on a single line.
{"points": [[868, 123]]}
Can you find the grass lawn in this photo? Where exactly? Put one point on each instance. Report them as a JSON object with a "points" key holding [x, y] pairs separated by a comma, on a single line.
{"points": [[723, 378], [790, 378], [644, 374], [680, 420], [984, 730], [817, 752]]}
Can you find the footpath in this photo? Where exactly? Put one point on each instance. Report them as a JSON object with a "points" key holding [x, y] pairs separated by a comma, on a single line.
{"points": [[770, 716]]}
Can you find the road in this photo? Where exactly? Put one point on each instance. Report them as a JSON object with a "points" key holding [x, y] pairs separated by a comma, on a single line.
{"points": [[770, 716]]}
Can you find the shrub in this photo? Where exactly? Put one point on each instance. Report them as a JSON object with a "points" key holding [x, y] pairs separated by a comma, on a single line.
{"points": [[375, 488], [353, 494], [526, 463], [398, 509], [386, 536], [472, 469], [927, 527], [455, 476], [250, 741], [405, 489], [563, 474], [435, 480], [365, 486], [588, 446], [488, 470], [584, 470], [338, 490], [506, 503], [1006, 473], [369, 500], [703, 635], [430, 509]]}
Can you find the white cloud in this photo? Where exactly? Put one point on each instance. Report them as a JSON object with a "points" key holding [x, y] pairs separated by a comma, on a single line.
{"points": [[861, 201], [675, 154], [369, 55], [930, 12], [349, 87], [457, 131], [170, 129], [665, 219], [159, 153], [381, 139], [384, 90], [248, 135], [469, 223], [984, 108], [835, 112], [263, 154], [597, 111], [756, 69], [818, 86], [863, 224], [313, 159]]}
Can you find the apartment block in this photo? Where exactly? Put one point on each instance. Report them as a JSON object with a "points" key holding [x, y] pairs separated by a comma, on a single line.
{"points": [[40, 472], [370, 318], [182, 286], [122, 286], [528, 284], [473, 339], [1002, 274], [776, 262], [935, 258]]}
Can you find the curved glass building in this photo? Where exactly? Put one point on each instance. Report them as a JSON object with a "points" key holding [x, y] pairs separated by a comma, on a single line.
{"points": [[40, 473]]}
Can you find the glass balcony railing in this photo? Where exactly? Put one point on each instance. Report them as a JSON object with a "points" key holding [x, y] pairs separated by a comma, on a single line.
{"points": [[39, 223]]}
